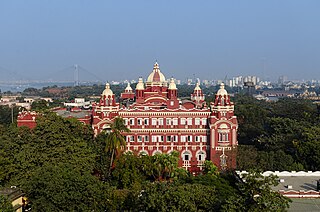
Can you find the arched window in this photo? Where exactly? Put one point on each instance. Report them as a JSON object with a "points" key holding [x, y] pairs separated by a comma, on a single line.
{"points": [[143, 153], [201, 156], [186, 156], [156, 152]]}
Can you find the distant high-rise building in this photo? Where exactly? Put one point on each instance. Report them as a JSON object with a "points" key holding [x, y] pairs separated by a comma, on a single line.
{"points": [[282, 79]]}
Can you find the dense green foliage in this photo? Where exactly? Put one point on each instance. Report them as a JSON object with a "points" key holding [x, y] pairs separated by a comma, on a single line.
{"points": [[7, 114], [62, 167], [63, 188], [55, 140], [278, 136], [5, 205], [256, 195]]}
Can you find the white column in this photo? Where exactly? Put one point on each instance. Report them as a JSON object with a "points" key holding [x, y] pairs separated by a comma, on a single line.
{"points": [[212, 138], [234, 136]]}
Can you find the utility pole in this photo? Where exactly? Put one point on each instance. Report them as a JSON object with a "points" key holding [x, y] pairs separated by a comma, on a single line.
{"points": [[12, 106]]}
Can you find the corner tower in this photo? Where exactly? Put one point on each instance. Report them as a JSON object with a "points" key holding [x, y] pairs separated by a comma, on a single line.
{"points": [[223, 131]]}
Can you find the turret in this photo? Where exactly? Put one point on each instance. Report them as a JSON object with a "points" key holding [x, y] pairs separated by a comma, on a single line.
{"points": [[172, 90], [128, 93], [197, 96], [222, 106], [172, 95], [107, 97], [140, 91]]}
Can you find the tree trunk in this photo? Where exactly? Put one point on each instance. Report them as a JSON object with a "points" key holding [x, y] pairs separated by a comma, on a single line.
{"points": [[111, 162]]}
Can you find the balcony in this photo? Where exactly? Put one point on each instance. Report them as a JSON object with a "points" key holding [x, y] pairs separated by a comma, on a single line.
{"points": [[186, 164]]}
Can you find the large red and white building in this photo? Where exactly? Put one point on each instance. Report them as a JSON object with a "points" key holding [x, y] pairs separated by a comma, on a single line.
{"points": [[160, 122]]}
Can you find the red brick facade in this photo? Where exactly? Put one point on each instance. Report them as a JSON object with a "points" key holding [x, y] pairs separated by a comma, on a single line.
{"points": [[160, 123]]}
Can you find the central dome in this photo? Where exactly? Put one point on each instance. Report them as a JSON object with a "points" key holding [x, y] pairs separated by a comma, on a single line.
{"points": [[156, 75]]}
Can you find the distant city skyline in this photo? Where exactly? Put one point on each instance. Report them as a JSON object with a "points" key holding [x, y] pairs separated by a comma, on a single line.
{"points": [[118, 40]]}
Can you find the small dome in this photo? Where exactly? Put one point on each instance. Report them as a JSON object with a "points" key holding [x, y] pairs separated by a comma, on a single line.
{"points": [[222, 91], [172, 85], [197, 88], [107, 91], [156, 75], [140, 85], [128, 88]]}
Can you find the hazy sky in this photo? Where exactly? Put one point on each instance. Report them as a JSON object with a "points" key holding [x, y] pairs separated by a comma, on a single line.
{"points": [[118, 40]]}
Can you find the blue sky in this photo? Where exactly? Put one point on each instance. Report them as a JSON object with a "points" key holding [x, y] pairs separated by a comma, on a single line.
{"points": [[118, 40]]}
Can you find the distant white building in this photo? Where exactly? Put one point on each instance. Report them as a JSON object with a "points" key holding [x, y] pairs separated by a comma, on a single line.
{"points": [[78, 102]]}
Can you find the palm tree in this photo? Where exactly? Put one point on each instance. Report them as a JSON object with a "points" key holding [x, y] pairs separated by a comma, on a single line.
{"points": [[115, 140]]}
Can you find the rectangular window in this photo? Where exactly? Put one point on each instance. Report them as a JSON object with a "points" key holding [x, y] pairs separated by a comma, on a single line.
{"points": [[168, 121], [183, 121], [131, 121], [175, 138], [146, 138], [168, 138], [139, 122], [125, 121], [146, 121], [154, 121], [154, 138], [189, 121], [131, 138], [160, 121], [175, 121], [186, 157], [223, 137], [189, 138], [204, 121], [197, 139], [183, 138], [139, 138], [197, 121], [204, 138], [161, 138]]}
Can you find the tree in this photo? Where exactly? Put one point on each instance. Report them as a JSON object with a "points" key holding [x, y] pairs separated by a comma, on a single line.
{"points": [[257, 195], [115, 139], [308, 148], [55, 140], [63, 188], [247, 156], [128, 171], [12, 141], [40, 105], [252, 116], [210, 168], [7, 114], [296, 109], [164, 166], [5, 205], [165, 196]]}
